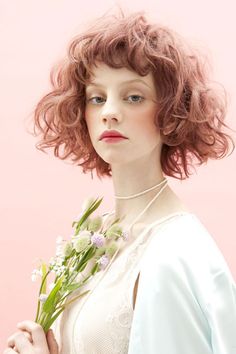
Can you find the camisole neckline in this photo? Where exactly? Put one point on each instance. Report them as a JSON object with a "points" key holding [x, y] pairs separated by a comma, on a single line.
{"points": [[159, 221]]}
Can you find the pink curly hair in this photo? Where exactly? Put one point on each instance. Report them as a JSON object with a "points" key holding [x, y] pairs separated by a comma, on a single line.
{"points": [[190, 115]]}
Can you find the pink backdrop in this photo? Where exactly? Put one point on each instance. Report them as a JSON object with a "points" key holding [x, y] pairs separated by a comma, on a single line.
{"points": [[40, 195]]}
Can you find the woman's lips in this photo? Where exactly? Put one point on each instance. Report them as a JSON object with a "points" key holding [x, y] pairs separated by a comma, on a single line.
{"points": [[113, 139]]}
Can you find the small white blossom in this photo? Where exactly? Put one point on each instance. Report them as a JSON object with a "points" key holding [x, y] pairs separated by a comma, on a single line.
{"points": [[59, 240], [51, 286], [43, 297], [35, 274], [59, 269]]}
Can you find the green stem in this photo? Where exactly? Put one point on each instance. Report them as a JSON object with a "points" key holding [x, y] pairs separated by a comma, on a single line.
{"points": [[42, 284]]}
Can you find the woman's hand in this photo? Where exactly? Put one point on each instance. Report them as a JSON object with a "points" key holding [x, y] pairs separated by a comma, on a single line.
{"points": [[31, 339]]}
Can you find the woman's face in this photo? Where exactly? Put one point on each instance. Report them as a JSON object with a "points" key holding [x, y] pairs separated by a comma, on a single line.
{"points": [[113, 102]]}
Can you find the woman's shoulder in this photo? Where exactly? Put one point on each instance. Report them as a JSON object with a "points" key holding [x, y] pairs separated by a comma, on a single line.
{"points": [[183, 239]]}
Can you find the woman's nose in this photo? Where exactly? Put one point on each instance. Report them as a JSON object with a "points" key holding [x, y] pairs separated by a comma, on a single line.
{"points": [[109, 117], [111, 111]]}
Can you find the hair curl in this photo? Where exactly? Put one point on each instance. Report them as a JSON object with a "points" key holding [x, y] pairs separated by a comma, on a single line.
{"points": [[190, 110]]}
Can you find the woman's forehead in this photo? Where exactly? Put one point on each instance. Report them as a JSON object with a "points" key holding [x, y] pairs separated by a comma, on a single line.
{"points": [[102, 74]]}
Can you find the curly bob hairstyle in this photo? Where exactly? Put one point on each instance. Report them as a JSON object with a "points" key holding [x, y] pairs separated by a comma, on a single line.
{"points": [[190, 113]]}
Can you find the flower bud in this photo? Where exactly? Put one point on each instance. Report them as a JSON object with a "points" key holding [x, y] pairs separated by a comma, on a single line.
{"points": [[100, 251], [35, 274], [67, 249], [85, 224], [43, 297], [95, 223], [111, 249], [51, 286], [98, 239], [114, 231], [81, 243], [84, 233], [103, 261]]}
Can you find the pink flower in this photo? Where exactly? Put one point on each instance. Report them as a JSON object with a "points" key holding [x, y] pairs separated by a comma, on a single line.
{"points": [[125, 235], [98, 239], [103, 261]]}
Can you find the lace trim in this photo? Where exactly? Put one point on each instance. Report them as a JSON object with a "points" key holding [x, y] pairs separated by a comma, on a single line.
{"points": [[119, 325], [119, 321]]}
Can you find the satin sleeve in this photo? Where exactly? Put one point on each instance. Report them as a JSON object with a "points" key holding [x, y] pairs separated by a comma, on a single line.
{"points": [[221, 314], [181, 308]]}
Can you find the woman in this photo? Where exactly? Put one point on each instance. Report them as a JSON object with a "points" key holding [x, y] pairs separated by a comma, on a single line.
{"points": [[169, 290]]}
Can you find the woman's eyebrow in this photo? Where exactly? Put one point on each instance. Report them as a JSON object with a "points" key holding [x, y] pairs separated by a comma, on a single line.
{"points": [[124, 82]]}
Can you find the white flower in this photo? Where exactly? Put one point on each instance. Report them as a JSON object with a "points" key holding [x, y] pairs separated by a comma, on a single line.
{"points": [[43, 297], [59, 240], [59, 269], [35, 274], [51, 286]]}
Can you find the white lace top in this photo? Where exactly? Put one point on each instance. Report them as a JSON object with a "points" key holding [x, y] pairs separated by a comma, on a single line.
{"points": [[100, 323]]}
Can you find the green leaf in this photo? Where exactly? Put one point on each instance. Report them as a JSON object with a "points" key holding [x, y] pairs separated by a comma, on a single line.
{"points": [[76, 297], [83, 267], [72, 287], [49, 303], [44, 272], [88, 255], [95, 268], [40, 291], [89, 211], [48, 324]]}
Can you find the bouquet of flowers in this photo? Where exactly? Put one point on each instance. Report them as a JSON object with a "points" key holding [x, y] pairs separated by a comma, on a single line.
{"points": [[90, 247]]}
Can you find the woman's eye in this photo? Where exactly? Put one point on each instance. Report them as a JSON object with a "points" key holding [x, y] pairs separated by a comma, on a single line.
{"points": [[98, 99], [92, 99], [140, 98]]}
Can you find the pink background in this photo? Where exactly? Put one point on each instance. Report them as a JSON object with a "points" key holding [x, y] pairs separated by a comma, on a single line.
{"points": [[40, 195]]}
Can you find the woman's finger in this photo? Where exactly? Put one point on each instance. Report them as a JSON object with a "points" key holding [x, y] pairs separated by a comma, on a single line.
{"points": [[52, 343], [28, 336], [9, 351], [19, 341], [35, 330]]}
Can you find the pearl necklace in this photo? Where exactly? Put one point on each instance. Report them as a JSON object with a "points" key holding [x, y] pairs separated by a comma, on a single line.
{"points": [[143, 192]]}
